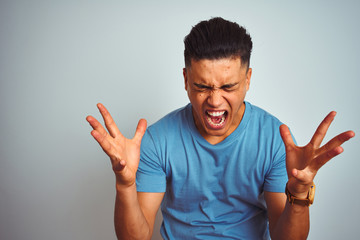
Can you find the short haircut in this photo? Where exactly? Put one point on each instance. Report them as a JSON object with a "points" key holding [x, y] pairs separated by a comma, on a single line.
{"points": [[215, 39]]}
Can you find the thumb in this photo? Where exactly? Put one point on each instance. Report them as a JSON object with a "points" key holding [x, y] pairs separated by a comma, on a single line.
{"points": [[300, 175], [140, 130], [286, 135]]}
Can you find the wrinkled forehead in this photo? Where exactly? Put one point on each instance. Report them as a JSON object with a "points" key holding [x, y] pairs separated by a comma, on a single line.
{"points": [[201, 62], [216, 72], [211, 66]]}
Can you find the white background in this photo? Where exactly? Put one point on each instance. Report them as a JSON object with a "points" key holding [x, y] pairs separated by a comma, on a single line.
{"points": [[59, 58]]}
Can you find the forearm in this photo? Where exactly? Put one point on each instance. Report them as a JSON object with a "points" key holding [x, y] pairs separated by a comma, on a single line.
{"points": [[293, 223], [130, 222]]}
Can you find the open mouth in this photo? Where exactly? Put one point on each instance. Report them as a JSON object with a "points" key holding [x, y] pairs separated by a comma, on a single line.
{"points": [[216, 119]]}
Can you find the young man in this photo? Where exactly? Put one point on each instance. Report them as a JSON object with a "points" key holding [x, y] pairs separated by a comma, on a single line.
{"points": [[218, 166]]}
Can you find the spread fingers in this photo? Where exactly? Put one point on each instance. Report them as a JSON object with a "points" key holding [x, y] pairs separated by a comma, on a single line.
{"points": [[109, 122]]}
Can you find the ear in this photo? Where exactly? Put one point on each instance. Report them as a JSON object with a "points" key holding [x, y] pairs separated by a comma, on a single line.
{"points": [[185, 78], [248, 77]]}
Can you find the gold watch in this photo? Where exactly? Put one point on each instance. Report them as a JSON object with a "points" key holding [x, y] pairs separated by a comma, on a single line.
{"points": [[305, 202]]}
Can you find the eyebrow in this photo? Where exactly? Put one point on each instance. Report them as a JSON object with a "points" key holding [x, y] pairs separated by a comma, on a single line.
{"points": [[229, 85], [199, 85]]}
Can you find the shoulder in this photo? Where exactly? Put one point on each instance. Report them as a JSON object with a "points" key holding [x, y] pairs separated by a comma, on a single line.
{"points": [[171, 120], [168, 128], [263, 128], [166, 134], [261, 117]]}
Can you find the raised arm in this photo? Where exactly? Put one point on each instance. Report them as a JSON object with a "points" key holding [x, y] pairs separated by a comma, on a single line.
{"points": [[291, 221], [134, 213]]}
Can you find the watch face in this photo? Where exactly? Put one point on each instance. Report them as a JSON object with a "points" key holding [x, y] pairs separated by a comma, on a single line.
{"points": [[312, 193]]}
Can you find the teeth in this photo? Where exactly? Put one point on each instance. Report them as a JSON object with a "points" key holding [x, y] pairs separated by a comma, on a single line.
{"points": [[215, 114], [216, 124]]}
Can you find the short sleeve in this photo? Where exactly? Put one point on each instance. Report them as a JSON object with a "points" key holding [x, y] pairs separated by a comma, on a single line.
{"points": [[150, 176], [276, 178]]}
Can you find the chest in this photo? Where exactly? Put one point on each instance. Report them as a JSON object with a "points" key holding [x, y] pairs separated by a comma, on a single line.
{"points": [[233, 172]]}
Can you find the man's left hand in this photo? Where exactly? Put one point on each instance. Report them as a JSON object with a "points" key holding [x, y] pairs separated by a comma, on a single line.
{"points": [[302, 163]]}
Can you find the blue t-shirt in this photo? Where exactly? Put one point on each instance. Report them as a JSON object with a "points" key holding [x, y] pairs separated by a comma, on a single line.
{"points": [[213, 191]]}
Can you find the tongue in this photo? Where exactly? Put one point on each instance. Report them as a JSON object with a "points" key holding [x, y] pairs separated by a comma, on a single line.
{"points": [[216, 119]]}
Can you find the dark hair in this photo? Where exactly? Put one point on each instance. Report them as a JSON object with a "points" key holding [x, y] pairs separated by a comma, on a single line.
{"points": [[215, 39]]}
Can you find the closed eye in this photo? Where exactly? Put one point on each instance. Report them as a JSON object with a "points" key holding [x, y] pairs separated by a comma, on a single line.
{"points": [[229, 87], [202, 87]]}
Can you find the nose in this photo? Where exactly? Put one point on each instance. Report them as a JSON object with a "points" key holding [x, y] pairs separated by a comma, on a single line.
{"points": [[215, 98]]}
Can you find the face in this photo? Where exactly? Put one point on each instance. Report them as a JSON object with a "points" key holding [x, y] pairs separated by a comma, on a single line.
{"points": [[216, 89]]}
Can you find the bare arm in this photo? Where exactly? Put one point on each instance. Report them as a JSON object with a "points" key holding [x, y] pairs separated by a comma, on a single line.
{"points": [[134, 213], [286, 221], [291, 221]]}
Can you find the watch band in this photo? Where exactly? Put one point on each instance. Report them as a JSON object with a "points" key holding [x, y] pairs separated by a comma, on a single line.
{"points": [[305, 202]]}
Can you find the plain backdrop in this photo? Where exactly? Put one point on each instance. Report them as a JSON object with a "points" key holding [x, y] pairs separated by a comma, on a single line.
{"points": [[59, 58]]}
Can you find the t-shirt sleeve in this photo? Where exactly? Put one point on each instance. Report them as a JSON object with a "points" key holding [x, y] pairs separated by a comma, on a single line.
{"points": [[276, 177], [150, 176]]}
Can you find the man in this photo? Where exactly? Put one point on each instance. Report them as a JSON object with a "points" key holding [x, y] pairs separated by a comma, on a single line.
{"points": [[218, 166]]}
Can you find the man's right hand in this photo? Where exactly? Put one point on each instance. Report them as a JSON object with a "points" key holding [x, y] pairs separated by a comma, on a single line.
{"points": [[124, 153]]}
